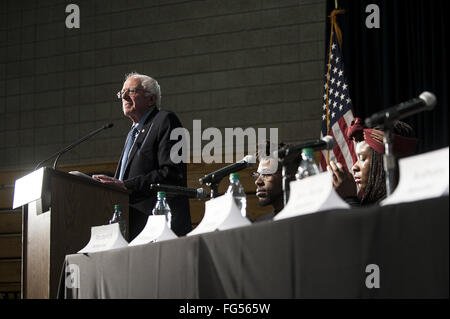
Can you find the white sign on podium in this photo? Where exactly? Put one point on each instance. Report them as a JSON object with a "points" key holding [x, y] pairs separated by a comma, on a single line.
{"points": [[421, 177], [28, 188], [104, 238], [310, 195], [156, 229], [220, 213]]}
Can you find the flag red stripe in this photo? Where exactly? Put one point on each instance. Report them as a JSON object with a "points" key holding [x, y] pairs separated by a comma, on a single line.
{"points": [[323, 162], [337, 152], [343, 126]]}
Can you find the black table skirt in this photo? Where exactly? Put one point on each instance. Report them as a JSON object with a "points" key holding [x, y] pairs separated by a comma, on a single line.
{"points": [[321, 255]]}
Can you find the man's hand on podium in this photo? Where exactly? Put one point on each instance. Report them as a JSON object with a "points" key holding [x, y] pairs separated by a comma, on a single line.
{"points": [[109, 180]]}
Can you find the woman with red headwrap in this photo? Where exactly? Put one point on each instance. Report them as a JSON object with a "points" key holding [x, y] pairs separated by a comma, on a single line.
{"points": [[367, 185]]}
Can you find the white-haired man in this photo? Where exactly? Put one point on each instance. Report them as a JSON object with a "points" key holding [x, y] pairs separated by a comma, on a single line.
{"points": [[146, 158]]}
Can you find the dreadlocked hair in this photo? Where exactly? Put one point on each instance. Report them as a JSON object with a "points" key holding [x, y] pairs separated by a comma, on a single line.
{"points": [[376, 183], [375, 190]]}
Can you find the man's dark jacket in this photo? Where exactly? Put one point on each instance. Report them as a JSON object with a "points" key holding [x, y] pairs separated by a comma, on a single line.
{"points": [[149, 163]]}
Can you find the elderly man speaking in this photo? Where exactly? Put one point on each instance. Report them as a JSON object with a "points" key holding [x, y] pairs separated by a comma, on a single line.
{"points": [[146, 158]]}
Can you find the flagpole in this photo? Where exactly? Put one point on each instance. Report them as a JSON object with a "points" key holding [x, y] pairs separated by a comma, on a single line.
{"points": [[339, 36], [328, 79]]}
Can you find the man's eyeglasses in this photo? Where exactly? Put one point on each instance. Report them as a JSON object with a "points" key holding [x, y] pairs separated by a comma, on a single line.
{"points": [[130, 92], [264, 177]]}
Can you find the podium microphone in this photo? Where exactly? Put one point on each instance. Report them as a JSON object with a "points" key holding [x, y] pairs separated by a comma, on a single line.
{"points": [[68, 148], [216, 176], [198, 193], [425, 102]]}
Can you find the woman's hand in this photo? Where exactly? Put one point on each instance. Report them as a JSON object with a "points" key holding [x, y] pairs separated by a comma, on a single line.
{"points": [[343, 181]]}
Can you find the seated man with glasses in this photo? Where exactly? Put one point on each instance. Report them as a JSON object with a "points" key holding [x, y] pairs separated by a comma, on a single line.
{"points": [[146, 157], [268, 181]]}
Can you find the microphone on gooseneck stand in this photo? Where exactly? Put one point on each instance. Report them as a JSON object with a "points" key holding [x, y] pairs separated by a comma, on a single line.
{"points": [[290, 154], [326, 143], [213, 179], [216, 176], [68, 148], [425, 102], [198, 193]]}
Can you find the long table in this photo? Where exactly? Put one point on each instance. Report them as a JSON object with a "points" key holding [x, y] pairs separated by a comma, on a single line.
{"points": [[398, 251]]}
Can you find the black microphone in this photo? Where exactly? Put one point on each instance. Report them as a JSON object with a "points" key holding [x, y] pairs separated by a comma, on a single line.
{"points": [[68, 148], [198, 193], [425, 102], [326, 143], [216, 176]]}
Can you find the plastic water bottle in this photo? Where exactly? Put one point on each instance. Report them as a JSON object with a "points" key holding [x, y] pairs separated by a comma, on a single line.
{"points": [[117, 217], [307, 166], [162, 208], [238, 193]]}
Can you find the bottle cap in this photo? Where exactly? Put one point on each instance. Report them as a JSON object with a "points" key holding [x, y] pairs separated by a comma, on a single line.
{"points": [[234, 176], [117, 206], [308, 151], [161, 194]]}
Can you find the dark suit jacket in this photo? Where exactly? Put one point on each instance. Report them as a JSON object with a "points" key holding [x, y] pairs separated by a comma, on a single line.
{"points": [[149, 163]]}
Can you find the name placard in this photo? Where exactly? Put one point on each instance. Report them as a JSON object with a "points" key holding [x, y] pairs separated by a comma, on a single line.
{"points": [[220, 213], [155, 230], [311, 195], [422, 176], [104, 238]]}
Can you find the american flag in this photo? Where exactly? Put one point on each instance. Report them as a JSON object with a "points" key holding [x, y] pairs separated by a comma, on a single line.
{"points": [[337, 111]]}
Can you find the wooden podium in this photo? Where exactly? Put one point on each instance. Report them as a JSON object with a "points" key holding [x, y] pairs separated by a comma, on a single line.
{"points": [[58, 211]]}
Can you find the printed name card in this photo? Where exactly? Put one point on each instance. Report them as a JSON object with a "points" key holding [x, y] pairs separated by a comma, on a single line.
{"points": [[220, 213], [311, 195], [155, 230], [421, 177], [104, 238]]}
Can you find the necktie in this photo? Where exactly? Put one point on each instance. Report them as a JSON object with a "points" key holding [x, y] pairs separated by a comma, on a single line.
{"points": [[129, 142]]}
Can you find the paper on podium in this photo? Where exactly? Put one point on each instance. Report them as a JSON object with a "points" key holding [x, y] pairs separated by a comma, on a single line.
{"points": [[421, 177], [104, 238], [220, 213], [310, 195], [155, 230]]}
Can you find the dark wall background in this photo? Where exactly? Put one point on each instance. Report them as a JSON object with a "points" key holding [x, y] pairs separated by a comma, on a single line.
{"points": [[228, 63], [404, 57]]}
